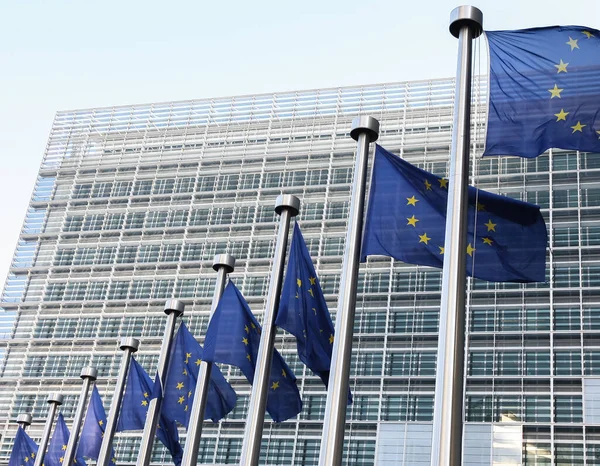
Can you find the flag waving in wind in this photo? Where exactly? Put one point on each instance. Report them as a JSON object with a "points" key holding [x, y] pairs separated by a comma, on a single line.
{"points": [[92, 432], [58, 445], [135, 407], [182, 377], [233, 337], [23, 451], [303, 311], [544, 90], [406, 220]]}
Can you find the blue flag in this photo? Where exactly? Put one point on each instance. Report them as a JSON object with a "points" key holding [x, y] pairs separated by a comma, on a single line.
{"points": [[406, 220], [233, 337], [303, 311], [135, 407], [92, 432], [23, 451], [182, 376], [58, 445], [544, 90]]}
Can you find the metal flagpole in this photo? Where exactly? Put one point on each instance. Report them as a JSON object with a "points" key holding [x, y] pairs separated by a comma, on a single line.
{"points": [[365, 129], [55, 400], [89, 375], [223, 265], [174, 309], [24, 421], [466, 24], [287, 206], [128, 346]]}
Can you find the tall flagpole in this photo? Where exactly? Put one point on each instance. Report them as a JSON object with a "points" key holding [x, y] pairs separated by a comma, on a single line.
{"points": [[89, 375], [55, 400], [466, 24], [128, 346], [24, 421], [365, 129], [174, 309], [223, 265], [287, 206]]}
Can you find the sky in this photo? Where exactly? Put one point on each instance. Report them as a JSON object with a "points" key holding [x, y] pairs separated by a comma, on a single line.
{"points": [[64, 55]]}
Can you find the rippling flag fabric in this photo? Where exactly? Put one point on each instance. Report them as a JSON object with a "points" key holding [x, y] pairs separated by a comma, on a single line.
{"points": [[92, 432], [58, 445], [24, 449], [406, 220], [544, 90]]}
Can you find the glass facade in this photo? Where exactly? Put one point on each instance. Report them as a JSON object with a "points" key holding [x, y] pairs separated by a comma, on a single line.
{"points": [[132, 203]]}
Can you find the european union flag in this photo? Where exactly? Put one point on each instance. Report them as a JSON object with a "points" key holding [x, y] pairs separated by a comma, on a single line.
{"points": [[303, 311], [92, 432], [233, 337], [406, 220], [58, 445], [23, 451], [544, 90], [181, 381], [135, 407]]}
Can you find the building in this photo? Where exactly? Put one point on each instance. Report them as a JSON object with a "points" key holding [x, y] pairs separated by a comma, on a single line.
{"points": [[132, 203]]}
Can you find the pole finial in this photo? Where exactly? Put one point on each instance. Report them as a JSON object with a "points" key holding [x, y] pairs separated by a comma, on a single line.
{"points": [[89, 372], [224, 260], [174, 305], [466, 15], [365, 124], [56, 398], [287, 201], [24, 419], [129, 343]]}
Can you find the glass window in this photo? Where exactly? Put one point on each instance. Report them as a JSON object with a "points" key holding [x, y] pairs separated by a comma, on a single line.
{"points": [[568, 408]]}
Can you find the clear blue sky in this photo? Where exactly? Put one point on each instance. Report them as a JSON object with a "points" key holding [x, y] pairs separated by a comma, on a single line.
{"points": [[61, 55]]}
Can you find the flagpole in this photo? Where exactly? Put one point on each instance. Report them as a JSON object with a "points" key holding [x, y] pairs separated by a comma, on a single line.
{"points": [[55, 400], [89, 375], [446, 447], [365, 129], [223, 264], [128, 346], [174, 309], [24, 421], [287, 206]]}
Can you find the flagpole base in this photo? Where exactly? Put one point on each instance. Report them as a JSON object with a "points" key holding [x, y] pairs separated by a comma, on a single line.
{"points": [[224, 260], [466, 15]]}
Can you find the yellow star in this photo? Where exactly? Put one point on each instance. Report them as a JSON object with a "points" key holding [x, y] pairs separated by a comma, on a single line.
{"points": [[33, 454], [424, 238], [331, 339], [490, 225], [61, 459], [283, 372], [427, 185], [480, 207], [249, 358], [298, 282], [297, 296], [562, 115], [100, 423], [187, 357], [275, 386], [588, 34], [247, 329], [185, 372], [245, 341], [578, 127], [181, 400], [146, 395], [311, 292], [598, 134], [562, 66], [189, 394], [114, 460], [441, 249], [487, 241], [314, 310], [144, 403], [412, 201], [186, 408], [443, 183], [312, 280], [470, 250], [179, 386], [252, 325], [64, 447], [412, 221], [198, 361], [555, 92], [572, 43], [26, 459]]}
